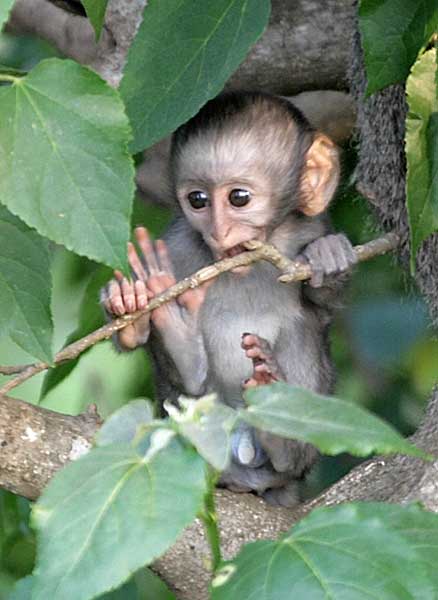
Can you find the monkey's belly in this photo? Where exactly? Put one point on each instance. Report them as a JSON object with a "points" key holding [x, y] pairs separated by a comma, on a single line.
{"points": [[299, 350], [228, 365]]}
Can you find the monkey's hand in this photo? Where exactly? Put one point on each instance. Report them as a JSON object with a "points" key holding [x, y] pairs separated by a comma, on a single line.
{"points": [[122, 296], [156, 270], [329, 256]]}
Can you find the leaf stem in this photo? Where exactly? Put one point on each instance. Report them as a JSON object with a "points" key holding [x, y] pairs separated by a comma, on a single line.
{"points": [[9, 78], [209, 519]]}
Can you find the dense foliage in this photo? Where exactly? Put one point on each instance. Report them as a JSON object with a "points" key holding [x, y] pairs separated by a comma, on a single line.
{"points": [[67, 176]]}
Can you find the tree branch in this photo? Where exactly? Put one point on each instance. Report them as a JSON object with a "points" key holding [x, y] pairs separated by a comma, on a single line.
{"points": [[304, 46], [36, 442], [292, 271]]}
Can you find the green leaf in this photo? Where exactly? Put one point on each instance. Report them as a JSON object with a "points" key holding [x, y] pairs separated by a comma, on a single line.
{"points": [[354, 552], [393, 33], [5, 70], [183, 54], [25, 287], [145, 585], [330, 424], [112, 512], [64, 165], [5, 8], [207, 424], [95, 10], [23, 589], [90, 319], [422, 151], [122, 425], [155, 218]]}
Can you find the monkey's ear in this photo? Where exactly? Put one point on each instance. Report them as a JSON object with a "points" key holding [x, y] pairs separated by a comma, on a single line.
{"points": [[320, 176]]}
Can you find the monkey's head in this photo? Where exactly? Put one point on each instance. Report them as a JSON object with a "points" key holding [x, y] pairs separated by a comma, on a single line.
{"points": [[244, 163]]}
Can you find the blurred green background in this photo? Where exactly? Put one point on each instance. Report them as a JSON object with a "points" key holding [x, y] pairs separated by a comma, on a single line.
{"points": [[384, 348]]}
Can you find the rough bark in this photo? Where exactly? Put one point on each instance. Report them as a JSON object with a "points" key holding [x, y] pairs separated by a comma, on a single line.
{"points": [[303, 48], [74, 37], [35, 443]]}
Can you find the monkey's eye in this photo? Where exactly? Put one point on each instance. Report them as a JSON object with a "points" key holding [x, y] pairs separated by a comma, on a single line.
{"points": [[198, 199], [239, 197]]}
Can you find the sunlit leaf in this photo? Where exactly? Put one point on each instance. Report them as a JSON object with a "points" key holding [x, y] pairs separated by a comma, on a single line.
{"points": [[330, 424], [207, 424], [112, 512], [182, 56], [422, 150], [64, 165], [353, 552], [123, 424]]}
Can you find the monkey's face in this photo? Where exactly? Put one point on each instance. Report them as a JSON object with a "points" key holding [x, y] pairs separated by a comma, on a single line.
{"points": [[228, 214]]}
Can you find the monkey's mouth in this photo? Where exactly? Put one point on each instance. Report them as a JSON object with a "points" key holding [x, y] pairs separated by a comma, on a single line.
{"points": [[234, 251]]}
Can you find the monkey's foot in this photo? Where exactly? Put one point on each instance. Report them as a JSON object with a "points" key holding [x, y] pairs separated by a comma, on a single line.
{"points": [[265, 367]]}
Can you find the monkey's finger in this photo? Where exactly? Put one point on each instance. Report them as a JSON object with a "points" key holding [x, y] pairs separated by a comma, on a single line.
{"points": [[128, 294], [105, 300], [141, 294], [262, 377], [249, 340], [135, 263], [327, 254], [192, 300], [163, 256], [249, 383], [264, 370], [158, 283], [256, 352], [116, 305], [349, 253], [147, 248]]}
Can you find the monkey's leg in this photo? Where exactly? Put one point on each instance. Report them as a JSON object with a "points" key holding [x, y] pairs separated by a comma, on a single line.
{"points": [[290, 458]]}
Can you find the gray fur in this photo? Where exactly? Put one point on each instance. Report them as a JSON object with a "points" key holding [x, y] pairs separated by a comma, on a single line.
{"points": [[296, 330], [239, 138]]}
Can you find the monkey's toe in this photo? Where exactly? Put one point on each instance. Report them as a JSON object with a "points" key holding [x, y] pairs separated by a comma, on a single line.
{"points": [[265, 367]]}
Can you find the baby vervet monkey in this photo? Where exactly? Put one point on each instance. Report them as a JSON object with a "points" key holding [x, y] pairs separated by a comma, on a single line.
{"points": [[248, 166]]}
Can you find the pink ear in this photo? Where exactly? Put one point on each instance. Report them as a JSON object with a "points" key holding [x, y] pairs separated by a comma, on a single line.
{"points": [[320, 176]]}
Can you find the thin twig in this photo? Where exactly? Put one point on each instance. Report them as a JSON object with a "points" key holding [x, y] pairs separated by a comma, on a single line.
{"points": [[13, 370], [292, 271]]}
